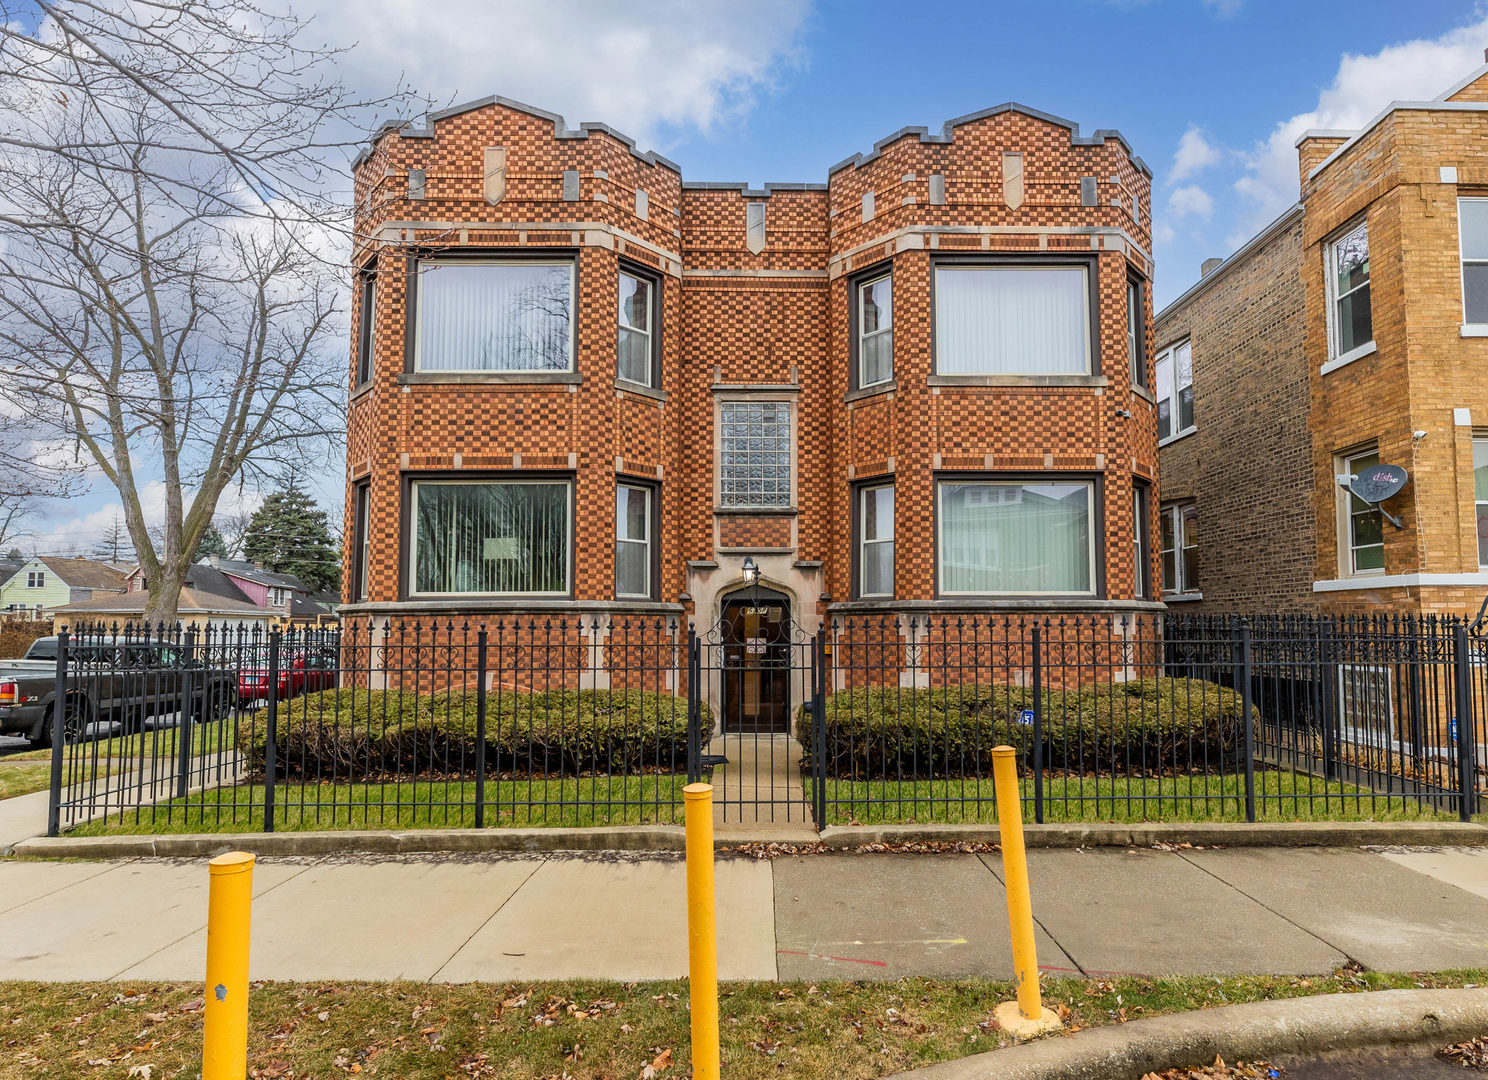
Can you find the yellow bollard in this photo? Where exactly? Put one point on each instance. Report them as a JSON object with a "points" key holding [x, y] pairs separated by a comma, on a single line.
{"points": [[225, 1040], [702, 931], [1027, 1015]]}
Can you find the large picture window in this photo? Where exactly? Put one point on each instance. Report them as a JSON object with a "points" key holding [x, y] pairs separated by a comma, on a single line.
{"points": [[876, 540], [754, 454], [492, 537], [1019, 538], [636, 349], [1363, 524], [1348, 291], [1003, 320], [1472, 231], [633, 540], [1175, 393], [492, 315], [876, 331]]}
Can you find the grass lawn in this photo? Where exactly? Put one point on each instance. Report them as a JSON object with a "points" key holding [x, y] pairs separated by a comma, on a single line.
{"points": [[153, 743], [1280, 796], [534, 1031], [631, 800], [25, 779]]}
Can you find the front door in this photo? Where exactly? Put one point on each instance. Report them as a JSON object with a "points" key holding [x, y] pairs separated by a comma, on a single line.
{"points": [[756, 642]]}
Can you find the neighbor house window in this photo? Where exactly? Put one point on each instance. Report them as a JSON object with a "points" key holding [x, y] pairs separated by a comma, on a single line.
{"points": [[1348, 290], [997, 537], [754, 454], [1141, 559], [508, 537], [1472, 231], [876, 331], [633, 540], [494, 315], [1362, 523], [1480, 494], [366, 345], [1004, 320], [1136, 333], [363, 540], [1180, 549], [1175, 393], [36, 579], [635, 348], [876, 540]]}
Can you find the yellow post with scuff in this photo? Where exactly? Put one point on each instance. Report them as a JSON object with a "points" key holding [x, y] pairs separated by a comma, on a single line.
{"points": [[1028, 1016], [229, 903], [702, 931]]}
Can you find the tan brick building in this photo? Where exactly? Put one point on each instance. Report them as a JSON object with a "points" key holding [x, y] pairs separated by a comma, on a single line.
{"points": [[582, 385], [1350, 332]]}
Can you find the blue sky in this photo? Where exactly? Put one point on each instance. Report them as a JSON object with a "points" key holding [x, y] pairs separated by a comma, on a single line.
{"points": [[1211, 93]]}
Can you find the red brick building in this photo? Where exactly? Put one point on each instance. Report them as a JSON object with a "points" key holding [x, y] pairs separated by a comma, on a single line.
{"points": [[580, 384]]}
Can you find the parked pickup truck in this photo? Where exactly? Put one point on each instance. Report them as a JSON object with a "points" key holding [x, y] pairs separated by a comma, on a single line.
{"points": [[124, 683]]}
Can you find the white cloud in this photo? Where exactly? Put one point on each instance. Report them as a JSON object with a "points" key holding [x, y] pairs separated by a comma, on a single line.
{"points": [[1361, 88], [1223, 9], [1190, 201], [655, 70], [1195, 154]]}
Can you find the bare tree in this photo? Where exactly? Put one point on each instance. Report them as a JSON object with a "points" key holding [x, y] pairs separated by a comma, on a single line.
{"points": [[173, 247]]}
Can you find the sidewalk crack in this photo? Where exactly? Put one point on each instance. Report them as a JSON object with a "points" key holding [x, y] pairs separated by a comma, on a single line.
{"points": [[1036, 920], [484, 922]]}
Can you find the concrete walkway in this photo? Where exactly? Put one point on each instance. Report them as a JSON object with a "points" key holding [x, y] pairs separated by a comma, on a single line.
{"points": [[522, 917]]}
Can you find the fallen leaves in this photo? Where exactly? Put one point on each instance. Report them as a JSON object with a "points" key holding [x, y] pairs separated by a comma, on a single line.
{"points": [[1242, 1070], [659, 1064], [1472, 1054]]}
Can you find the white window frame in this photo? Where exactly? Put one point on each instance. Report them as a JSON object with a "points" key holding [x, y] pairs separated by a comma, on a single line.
{"points": [[364, 541], [424, 265], [862, 291], [1170, 392], [863, 540], [1094, 510], [650, 381], [36, 579], [1462, 261], [1346, 547], [650, 493], [1085, 269], [1142, 540], [718, 410], [568, 532], [1178, 514], [1330, 272]]}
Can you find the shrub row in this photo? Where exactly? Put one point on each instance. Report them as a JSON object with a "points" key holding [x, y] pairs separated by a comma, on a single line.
{"points": [[352, 733], [1151, 724]]}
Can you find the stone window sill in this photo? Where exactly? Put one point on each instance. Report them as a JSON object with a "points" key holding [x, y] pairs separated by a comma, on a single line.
{"points": [[1180, 597], [755, 511], [1469, 329], [361, 390], [871, 391], [1145, 395], [491, 378], [1171, 439], [1084, 381], [1349, 357], [641, 389]]}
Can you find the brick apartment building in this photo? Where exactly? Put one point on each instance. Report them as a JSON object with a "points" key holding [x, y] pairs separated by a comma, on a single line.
{"points": [[582, 385], [1353, 330]]}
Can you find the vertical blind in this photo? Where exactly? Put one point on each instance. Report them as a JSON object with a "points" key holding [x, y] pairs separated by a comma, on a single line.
{"points": [[494, 316], [503, 537], [1011, 321], [1015, 538]]}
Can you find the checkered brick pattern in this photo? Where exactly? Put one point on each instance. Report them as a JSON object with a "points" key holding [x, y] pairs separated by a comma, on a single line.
{"points": [[736, 323]]}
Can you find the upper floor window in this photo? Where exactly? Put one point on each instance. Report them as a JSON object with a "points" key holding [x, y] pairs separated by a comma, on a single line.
{"points": [[633, 518], [876, 540], [876, 331], [366, 345], [494, 536], [755, 440], [1175, 394], [1472, 227], [636, 348], [1000, 537], [512, 315], [1362, 524], [36, 579], [1136, 333], [1348, 292], [1180, 549], [1012, 320]]}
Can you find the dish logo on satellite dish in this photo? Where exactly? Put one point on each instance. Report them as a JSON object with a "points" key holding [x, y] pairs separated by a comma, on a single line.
{"points": [[1378, 482]]}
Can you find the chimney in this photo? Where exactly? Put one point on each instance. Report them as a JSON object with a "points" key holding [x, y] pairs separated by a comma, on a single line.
{"points": [[1485, 56], [1210, 265]]}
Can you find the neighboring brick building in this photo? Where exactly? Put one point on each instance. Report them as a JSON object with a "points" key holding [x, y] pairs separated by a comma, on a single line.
{"points": [[750, 374], [1356, 326]]}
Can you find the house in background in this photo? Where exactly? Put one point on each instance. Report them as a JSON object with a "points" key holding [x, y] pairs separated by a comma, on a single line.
{"points": [[47, 582], [1351, 332]]}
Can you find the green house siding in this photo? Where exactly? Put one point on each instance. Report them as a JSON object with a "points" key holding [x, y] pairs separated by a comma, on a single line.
{"points": [[15, 593]]}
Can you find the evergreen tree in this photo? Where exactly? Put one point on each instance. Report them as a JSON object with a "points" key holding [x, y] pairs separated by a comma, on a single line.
{"points": [[15, 555], [289, 535], [113, 545], [211, 544]]}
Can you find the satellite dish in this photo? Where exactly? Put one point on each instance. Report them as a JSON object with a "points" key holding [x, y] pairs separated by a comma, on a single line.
{"points": [[1377, 483]]}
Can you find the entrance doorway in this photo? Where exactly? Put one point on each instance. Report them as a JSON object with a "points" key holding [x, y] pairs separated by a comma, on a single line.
{"points": [[756, 641]]}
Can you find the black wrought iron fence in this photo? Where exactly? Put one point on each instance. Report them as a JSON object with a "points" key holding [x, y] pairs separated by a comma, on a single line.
{"points": [[602, 720]]}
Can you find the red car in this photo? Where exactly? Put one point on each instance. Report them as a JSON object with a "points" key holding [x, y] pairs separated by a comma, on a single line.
{"points": [[300, 674]]}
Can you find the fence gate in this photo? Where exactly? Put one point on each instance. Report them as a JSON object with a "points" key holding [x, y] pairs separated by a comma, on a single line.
{"points": [[754, 699]]}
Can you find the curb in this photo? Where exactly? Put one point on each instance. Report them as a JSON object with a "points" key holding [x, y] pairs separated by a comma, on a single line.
{"points": [[1262, 1029], [670, 838]]}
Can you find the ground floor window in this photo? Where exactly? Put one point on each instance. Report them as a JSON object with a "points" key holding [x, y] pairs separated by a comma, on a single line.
{"points": [[876, 540], [494, 537], [363, 539], [1010, 537], [1480, 494], [1180, 548], [633, 540], [1141, 564]]}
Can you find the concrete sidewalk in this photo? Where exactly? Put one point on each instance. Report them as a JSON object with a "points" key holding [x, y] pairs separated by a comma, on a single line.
{"points": [[522, 917]]}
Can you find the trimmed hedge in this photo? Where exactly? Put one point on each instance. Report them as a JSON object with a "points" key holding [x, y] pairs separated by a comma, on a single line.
{"points": [[1151, 725], [353, 733]]}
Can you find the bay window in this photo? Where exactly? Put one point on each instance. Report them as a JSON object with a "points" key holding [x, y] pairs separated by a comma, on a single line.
{"points": [[495, 537], [1175, 393], [636, 347], [1012, 320], [997, 537], [1348, 293], [876, 330], [633, 517], [876, 540], [1180, 549], [494, 315]]}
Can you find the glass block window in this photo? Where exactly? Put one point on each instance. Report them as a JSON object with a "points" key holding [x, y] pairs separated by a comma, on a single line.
{"points": [[754, 454]]}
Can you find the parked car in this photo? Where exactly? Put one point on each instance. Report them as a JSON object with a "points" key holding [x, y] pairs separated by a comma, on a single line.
{"points": [[301, 672], [124, 682]]}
